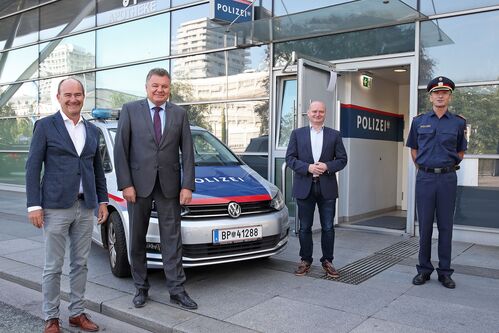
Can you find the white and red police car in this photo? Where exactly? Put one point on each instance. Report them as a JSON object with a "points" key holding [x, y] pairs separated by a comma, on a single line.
{"points": [[235, 214]]}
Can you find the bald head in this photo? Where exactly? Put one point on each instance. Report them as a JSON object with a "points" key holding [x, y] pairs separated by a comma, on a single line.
{"points": [[316, 114]]}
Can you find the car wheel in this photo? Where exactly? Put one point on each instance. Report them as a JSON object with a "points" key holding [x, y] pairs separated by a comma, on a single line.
{"points": [[116, 240]]}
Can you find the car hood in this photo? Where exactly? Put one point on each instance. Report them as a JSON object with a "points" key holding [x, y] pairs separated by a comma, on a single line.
{"points": [[217, 185]]}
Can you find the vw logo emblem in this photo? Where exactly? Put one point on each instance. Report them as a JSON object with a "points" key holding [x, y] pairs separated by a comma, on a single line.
{"points": [[234, 209]]}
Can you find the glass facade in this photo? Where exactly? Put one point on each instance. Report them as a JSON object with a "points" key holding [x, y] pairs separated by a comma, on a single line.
{"points": [[226, 84]]}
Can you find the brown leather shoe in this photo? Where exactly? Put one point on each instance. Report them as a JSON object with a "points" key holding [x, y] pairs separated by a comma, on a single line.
{"points": [[82, 321], [330, 270], [303, 268], [52, 326]]}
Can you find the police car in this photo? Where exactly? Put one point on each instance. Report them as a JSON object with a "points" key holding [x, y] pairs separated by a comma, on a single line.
{"points": [[235, 214]]}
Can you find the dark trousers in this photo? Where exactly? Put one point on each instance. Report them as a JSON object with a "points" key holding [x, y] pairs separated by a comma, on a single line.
{"points": [[170, 238], [435, 196], [306, 208]]}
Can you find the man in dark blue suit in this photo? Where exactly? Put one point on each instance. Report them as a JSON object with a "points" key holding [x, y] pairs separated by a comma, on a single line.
{"points": [[315, 153], [63, 202]]}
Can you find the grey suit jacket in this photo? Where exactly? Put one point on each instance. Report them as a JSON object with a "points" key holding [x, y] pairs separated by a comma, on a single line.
{"points": [[139, 159], [52, 148]]}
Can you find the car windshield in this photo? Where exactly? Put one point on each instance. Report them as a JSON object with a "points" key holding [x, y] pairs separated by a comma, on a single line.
{"points": [[208, 150]]}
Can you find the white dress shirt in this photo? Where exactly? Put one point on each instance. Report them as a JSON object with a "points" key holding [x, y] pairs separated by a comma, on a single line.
{"points": [[316, 139], [162, 114]]}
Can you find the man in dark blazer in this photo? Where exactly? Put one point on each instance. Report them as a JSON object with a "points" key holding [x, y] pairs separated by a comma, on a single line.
{"points": [[63, 203], [146, 154], [315, 153]]}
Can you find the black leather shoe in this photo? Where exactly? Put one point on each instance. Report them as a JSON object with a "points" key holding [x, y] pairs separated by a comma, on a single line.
{"points": [[183, 300], [420, 279], [447, 281], [140, 298]]}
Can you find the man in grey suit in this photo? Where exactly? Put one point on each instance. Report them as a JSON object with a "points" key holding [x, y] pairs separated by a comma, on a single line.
{"points": [[63, 203], [146, 154]]}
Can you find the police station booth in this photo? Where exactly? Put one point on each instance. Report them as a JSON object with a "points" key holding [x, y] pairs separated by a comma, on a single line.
{"points": [[247, 71]]}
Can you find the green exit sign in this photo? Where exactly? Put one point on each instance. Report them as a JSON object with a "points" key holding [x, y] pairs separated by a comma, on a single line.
{"points": [[367, 81]]}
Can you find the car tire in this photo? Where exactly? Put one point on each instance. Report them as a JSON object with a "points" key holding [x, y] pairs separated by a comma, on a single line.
{"points": [[116, 240]]}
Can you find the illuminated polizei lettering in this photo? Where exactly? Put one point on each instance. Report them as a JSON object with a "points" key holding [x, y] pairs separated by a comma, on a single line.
{"points": [[233, 10], [201, 180], [373, 124]]}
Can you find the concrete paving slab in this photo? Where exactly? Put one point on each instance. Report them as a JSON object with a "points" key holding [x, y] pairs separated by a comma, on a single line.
{"points": [[477, 292], [220, 300], [439, 316], [373, 325], [108, 279], [155, 317], [480, 256], [33, 257], [205, 324], [355, 299], [394, 280], [18, 245], [280, 314]]}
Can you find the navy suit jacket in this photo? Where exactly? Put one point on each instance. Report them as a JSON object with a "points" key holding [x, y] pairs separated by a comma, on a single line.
{"points": [[52, 148], [299, 157]]}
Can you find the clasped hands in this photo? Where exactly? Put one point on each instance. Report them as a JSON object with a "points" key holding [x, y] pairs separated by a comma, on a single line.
{"points": [[317, 168]]}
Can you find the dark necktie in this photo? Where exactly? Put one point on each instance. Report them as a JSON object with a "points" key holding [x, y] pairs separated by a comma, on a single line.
{"points": [[157, 124]]}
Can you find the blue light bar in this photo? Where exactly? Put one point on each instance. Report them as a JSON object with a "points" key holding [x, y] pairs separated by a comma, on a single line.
{"points": [[102, 113]]}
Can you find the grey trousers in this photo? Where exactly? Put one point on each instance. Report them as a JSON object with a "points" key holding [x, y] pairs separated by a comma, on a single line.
{"points": [[170, 239], [74, 223]]}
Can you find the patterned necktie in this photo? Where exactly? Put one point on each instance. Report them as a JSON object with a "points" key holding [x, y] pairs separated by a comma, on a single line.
{"points": [[157, 124]]}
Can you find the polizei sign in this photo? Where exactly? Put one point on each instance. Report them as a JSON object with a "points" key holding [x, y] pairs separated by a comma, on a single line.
{"points": [[365, 123], [232, 10]]}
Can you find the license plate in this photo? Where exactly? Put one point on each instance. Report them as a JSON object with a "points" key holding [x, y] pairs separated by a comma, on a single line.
{"points": [[232, 235]]}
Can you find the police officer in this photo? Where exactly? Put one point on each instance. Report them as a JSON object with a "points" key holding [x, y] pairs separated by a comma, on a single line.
{"points": [[437, 141]]}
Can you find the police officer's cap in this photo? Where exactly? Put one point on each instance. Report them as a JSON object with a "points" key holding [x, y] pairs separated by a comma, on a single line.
{"points": [[440, 83]]}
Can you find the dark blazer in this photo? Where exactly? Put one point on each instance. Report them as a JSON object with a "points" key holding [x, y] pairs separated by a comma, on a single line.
{"points": [[139, 159], [52, 148], [299, 157]]}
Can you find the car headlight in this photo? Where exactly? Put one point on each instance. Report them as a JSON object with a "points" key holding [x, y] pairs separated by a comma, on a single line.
{"points": [[278, 201]]}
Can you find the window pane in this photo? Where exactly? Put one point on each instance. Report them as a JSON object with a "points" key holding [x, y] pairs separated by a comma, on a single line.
{"points": [[478, 193], [372, 42], [479, 106], [113, 11], [12, 166], [286, 112], [71, 54], [202, 77], [248, 72], [118, 86], [19, 29], [286, 7], [19, 99], [464, 49], [12, 6], [189, 30], [431, 7], [48, 91], [66, 16], [134, 41], [20, 64]]}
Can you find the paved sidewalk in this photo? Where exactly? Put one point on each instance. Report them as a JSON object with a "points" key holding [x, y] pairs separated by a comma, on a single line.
{"points": [[264, 295]]}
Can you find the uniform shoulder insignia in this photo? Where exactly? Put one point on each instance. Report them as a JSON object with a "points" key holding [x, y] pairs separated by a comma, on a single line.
{"points": [[458, 115], [419, 115]]}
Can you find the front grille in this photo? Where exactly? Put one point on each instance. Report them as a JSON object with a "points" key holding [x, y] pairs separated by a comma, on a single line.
{"points": [[218, 210], [211, 250]]}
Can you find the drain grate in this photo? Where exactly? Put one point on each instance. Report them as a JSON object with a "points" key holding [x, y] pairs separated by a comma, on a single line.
{"points": [[362, 269]]}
